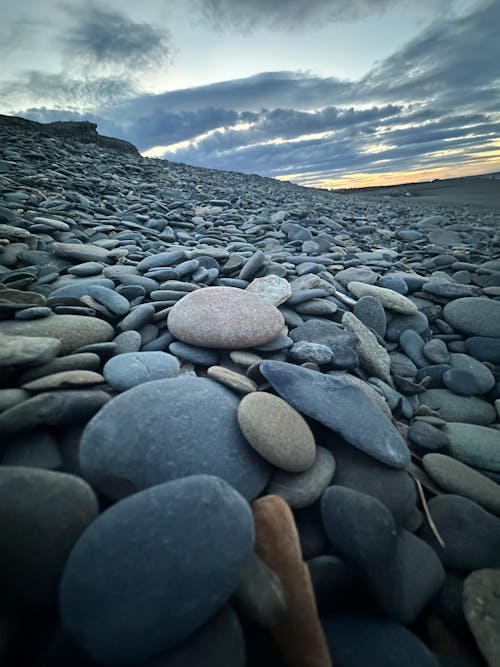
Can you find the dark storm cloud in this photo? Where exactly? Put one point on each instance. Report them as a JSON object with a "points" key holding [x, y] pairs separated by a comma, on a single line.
{"points": [[105, 38], [242, 15]]}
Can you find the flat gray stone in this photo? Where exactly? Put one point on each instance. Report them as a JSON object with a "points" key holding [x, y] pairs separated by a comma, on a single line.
{"points": [[25, 350], [456, 477], [341, 406], [74, 331]]}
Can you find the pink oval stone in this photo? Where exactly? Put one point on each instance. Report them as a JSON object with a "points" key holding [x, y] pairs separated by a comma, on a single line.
{"points": [[224, 317]]}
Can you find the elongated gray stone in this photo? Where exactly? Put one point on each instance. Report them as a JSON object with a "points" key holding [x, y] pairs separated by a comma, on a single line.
{"points": [[341, 406]]}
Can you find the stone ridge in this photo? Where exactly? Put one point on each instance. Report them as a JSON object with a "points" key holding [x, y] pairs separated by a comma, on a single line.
{"points": [[83, 131]]}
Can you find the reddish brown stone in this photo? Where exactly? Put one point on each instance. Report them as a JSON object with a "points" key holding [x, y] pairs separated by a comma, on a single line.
{"points": [[298, 634]]}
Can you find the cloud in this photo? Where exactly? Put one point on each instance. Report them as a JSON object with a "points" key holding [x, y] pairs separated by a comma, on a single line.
{"points": [[244, 15], [105, 39]]}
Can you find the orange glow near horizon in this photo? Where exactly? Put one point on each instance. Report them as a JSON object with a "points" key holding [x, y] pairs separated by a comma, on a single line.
{"points": [[476, 164]]}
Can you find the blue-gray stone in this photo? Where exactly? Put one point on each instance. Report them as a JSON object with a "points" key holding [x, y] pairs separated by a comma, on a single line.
{"points": [[371, 312], [471, 534], [154, 567], [355, 470], [341, 406], [194, 354], [359, 526], [483, 348], [80, 287], [166, 429], [124, 371], [362, 640], [161, 259], [391, 281], [399, 323], [475, 316], [113, 301]]}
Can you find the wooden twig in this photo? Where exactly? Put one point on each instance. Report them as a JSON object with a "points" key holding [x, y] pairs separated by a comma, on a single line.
{"points": [[428, 514]]}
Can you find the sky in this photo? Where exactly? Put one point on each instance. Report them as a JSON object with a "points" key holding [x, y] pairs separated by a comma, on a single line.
{"points": [[324, 93]]}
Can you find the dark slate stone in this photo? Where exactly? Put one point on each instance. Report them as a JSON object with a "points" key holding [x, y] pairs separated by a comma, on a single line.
{"points": [[332, 578], [393, 282], [412, 344], [43, 514], [483, 348], [113, 301], [408, 580], [194, 354], [359, 526], [398, 324], [435, 373], [461, 382], [344, 358], [323, 333], [80, 286], [53, 408], [483, 377], [166, 429], [470, 533], [161, 259], [427, 436], [356, 417], [362, 640], [154, 567], [371, 312], [218, 643], [128, 370], [394, 488]]}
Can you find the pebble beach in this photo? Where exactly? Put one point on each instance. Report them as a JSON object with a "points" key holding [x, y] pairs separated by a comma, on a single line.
{"points": [[242, 422]]}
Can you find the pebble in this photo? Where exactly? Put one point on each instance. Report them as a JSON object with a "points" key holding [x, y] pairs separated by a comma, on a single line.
{"points": [[121, 454], [476, 445], [150, 601], [271, 288], [130, 369], [460, 479], [388, 298], [298, 634], [43, 515], [304, 488], [471, 534], [372, 356], [26, 350], [362, 639], [393, 488], [474, 316], [277, 431], [454, 408], [73, 331], [224, 317], [359, 527], [64, 379], [235, 381], [482, 611]]}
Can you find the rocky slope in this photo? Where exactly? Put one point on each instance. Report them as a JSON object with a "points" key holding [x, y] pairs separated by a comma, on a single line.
{"points": [[242, 422]]}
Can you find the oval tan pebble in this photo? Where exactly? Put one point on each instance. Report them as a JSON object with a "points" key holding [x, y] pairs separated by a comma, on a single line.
{"points": [[72, 378], [224, 317], [277, 431]]}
